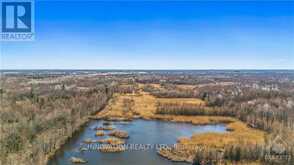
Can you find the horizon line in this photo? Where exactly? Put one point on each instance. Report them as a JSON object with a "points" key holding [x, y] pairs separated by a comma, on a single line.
{"points": [[292, 69]]}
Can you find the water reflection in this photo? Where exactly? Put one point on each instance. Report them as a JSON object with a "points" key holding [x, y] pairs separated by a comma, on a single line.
{"points": [[140, 132]]}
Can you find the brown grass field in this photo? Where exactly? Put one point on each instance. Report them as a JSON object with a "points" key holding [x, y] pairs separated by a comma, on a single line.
{"points": [[144, 107]]}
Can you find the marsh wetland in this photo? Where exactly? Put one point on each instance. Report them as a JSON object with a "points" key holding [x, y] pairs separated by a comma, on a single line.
{"points": [[141, 132], [187, 117]]}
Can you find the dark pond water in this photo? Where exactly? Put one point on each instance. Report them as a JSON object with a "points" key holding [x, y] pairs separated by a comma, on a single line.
{"points": [[140, 132]]}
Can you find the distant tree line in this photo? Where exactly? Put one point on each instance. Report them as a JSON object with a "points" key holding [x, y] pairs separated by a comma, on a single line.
{"points": [[236, 153]]}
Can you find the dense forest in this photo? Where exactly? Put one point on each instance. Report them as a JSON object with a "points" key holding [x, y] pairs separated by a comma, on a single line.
{"points": [[39, 115]]}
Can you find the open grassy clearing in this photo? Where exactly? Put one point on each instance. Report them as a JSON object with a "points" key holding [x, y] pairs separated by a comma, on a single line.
{"points": [[193, 101], [143, 105], [117, 108], [190, 87]]}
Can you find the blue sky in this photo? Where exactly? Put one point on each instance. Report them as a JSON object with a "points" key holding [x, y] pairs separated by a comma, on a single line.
{"points": [[157, 35]]}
